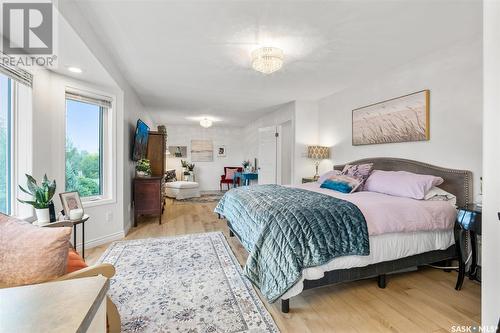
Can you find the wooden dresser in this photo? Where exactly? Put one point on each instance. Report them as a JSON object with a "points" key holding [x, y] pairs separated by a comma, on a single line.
{"points": [[149, 197]]}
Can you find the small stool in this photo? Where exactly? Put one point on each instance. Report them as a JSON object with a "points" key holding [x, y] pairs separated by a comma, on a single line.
{"points": [[182, 190]]}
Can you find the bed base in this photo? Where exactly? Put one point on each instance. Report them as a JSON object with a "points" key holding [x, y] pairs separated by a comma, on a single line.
{"points": [[379, 270]]}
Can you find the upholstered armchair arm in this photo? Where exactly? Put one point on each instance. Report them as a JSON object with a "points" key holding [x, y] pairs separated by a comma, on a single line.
{"points": [[222, 177], [106, 270]]}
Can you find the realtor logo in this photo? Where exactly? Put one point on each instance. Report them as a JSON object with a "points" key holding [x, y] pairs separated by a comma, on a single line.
{"points": [[27, 28]]}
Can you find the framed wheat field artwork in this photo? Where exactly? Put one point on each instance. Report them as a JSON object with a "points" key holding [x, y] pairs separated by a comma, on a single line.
{"points": [[202, 151], [401, 119]]}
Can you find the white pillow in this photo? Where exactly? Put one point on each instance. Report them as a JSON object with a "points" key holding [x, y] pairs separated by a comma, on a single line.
{"points": [[437, 194]]}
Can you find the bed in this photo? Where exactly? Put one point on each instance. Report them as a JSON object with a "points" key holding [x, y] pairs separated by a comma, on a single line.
{"points": [[388, 250]]}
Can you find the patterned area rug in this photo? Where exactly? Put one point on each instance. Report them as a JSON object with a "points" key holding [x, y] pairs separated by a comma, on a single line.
{"points": [[206, 197], [189, 283]]}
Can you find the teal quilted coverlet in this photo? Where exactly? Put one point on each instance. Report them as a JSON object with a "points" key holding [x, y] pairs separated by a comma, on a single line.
{"points": [[287, 229]]}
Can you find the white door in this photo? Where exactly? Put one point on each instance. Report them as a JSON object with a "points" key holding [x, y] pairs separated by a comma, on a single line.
{"points": [[490, 262], [267, 155]]}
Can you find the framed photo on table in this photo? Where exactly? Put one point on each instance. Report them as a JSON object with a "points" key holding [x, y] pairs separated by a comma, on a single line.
{"points": [[70, 201]]}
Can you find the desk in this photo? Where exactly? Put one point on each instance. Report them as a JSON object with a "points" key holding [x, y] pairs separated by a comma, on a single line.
{"points": [[245, 177]]}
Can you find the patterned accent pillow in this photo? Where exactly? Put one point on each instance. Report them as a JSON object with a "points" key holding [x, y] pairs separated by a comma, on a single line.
{"points": [[230, 173], [170, 176], [358, 171], [341, 183]]}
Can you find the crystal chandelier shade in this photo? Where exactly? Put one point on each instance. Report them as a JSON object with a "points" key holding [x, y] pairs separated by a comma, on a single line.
{"points": [[267, 59]]}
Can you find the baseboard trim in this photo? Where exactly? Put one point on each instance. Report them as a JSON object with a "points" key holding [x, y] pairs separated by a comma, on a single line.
{"points": [[102, 240]]}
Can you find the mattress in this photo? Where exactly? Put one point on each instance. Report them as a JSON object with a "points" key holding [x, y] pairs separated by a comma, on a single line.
{"points": [[385, 247]]}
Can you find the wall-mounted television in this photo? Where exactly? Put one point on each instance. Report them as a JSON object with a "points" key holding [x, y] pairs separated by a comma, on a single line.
{"points": [[140, 141]]}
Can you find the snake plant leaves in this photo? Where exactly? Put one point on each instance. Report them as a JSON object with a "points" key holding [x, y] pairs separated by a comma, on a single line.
{"points": [[42, 195], [32, 185]]}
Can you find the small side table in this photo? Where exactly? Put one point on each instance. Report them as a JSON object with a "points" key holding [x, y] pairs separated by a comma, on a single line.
{"points": [[70, 223], [308, 180], [246, 177], [469, 219]]}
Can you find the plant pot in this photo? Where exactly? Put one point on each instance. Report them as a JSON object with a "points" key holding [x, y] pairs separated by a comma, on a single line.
{"points": [[42, 215], [141, 174]]}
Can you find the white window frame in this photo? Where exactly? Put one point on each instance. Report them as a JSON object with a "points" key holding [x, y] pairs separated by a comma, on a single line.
{"points": [[108, 158], [21, 148]]}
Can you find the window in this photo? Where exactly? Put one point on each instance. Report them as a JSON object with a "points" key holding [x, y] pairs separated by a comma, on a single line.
{"points": [[5, 143], [84, 147]]}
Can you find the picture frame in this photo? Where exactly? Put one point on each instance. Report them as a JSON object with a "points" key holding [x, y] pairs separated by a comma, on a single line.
{"points": [[177, 151], [221, 151], [202, 151], [70, 200], [401, 119]]}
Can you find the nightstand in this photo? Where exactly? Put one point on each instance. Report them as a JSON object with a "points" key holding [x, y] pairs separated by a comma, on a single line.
{"points": [[469, 220], [308, 180]]}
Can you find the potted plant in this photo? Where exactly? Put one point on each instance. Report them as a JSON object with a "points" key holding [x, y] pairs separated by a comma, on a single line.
{"points": [[42, 196], [143, 168], [246, 165]]}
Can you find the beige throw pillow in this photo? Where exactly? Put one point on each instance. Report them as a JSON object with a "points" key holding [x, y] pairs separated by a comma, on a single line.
{"points": [[30, 254]]}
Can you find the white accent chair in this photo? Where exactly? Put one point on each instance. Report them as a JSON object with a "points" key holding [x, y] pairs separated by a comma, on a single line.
{"points": [[182, 190]]}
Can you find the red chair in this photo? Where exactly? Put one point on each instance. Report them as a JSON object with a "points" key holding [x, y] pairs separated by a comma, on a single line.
{"points": [[223, 179]]}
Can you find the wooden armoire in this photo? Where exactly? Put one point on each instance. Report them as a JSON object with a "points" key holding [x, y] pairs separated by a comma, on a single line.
{"points": [[156, 153], [149, 192]]}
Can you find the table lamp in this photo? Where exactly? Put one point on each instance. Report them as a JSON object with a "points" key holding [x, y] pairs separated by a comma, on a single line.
{"points": [[318, 153]]}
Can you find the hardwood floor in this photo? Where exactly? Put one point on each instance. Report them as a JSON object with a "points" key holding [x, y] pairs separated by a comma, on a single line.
{"points": [[421, 301]]}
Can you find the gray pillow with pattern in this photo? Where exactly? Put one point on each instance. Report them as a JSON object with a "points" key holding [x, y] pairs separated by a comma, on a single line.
{"points": [[358, 171]]}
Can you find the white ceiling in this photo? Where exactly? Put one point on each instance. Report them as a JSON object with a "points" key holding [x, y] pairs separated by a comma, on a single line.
{"points": [[187, 59], [72, 51]]}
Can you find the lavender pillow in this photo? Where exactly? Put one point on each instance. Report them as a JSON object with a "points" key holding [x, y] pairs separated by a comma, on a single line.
{"points": [[359, 171], [327, 175], [401, 183]]}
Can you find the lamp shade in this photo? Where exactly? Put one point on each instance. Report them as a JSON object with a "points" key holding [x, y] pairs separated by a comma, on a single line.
{"points": [[318, 152]]}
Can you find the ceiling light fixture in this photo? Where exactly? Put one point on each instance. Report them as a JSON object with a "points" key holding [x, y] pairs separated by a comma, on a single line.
{"points": [[206, 123], [75, 69], [267, 59]]}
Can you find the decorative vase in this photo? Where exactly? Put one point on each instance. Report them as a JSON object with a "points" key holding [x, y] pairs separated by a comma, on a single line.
{"points": [[141, 173], [42, 215], [75, 214]]}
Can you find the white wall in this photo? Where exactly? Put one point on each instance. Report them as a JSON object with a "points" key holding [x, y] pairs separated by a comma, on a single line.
{"points": [[491, 225], [132, 106], [207, 173], [280, 115], [453, 76], [306, 134], [304, 118], [49, 141]]}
